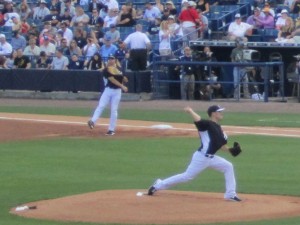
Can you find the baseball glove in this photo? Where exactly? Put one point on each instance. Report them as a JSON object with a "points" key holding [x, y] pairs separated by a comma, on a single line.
{"points": [[236, 149]]}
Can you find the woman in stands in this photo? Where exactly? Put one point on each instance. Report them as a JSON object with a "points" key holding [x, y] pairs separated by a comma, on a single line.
{"points": [[164, 39], [287, 29], [171, 8], [203, 5], [24, 10], [74, 49], [95, 63], [16, 24]]}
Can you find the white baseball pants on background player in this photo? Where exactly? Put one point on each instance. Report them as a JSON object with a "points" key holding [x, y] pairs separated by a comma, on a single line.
{"points": [[112, 96], [199, 163]]}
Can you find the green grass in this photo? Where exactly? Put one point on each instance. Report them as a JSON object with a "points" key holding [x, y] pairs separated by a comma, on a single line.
{"points": [[231, 118], [46, 169]]}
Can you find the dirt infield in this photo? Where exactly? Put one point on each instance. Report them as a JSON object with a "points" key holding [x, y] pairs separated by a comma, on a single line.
{"points": [[165, 207]]}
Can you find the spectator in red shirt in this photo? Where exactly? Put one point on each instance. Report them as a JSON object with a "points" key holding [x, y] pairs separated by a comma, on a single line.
{"points": [[190, 20], [2, 20]]}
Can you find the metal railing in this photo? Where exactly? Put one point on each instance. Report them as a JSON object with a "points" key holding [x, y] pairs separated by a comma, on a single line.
{"points": [[162, 82]]}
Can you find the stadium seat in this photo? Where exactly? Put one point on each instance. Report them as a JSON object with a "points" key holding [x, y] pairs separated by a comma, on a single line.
{"points": [[270, 35], [7, 29]]}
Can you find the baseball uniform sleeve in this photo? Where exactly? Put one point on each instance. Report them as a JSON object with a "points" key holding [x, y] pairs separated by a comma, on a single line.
{"points": [[202, 125]]}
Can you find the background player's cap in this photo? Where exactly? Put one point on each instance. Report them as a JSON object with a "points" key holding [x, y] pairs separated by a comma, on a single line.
{"points": [[214, 108], [111, 56]]}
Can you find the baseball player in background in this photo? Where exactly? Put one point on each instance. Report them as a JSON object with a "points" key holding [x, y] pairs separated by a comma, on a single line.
{"points": [[112, 94], [212, 139]]}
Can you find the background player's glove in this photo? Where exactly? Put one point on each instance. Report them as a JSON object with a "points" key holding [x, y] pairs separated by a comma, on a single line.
{"points": [[236, 149]]}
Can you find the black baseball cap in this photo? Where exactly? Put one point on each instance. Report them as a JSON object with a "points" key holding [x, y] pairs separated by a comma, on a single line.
{"points": [[214, 108]]}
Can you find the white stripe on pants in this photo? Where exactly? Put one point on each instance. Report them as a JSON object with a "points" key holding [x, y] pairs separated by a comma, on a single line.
{"points": [[112, 96], [199, 163]]}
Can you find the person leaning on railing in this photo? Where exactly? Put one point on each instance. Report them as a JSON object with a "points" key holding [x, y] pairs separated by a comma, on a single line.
{"points": [[287, 29], [294, 37]]}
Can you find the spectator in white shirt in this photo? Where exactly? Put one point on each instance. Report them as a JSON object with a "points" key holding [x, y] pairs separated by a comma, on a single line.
{"points": [[47, 46], [151, 12], [90, 48], [32, 49], [111, 18], [139, 43], [8, 17], [5, 47], [239, 29], [280, 22]]}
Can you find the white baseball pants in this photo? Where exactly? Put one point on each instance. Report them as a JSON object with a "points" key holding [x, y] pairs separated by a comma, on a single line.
{"points": [[112, 96], [199, 163]]}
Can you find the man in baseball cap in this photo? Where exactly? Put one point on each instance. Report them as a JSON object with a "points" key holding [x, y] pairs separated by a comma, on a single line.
{"points": [[212, 139], [239, 29], [5, 47], [189, 19], [214, 108]]}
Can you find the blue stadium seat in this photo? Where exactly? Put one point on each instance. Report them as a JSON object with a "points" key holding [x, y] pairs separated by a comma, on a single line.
{"points": [[216, 8], [7, 29], [139, 2], [154, 41], [280, 7], [85, 7], [8, 35], [270, 35]]}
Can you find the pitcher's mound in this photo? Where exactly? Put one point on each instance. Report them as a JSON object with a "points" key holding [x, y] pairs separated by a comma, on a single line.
{"points": [[165, 207]]}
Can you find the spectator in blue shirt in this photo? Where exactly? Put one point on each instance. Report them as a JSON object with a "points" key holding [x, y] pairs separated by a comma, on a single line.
{"points": [[108, 48], [18, 41]]}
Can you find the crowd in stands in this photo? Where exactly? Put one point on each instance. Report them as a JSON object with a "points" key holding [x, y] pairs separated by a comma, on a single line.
{"points": [[87, 27], [81, 34]]}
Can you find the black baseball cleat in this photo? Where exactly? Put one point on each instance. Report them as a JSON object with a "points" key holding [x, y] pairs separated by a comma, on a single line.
{"points": [[110, 133], [151, 190], [91, 124], [234, 199]]}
